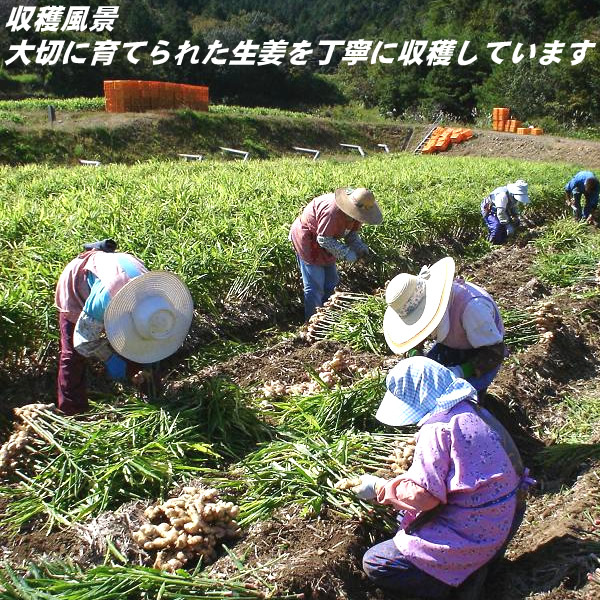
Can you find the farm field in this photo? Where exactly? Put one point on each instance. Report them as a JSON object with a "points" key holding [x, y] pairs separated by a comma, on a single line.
{"points": [[247, 409]]}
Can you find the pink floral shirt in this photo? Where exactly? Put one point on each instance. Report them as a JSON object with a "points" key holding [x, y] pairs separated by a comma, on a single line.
{"points": [[460, 461]]}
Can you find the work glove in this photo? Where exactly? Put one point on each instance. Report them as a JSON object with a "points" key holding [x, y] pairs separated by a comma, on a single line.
{"points": [[510, 229], [368, 487], [116, 367], [351, 256]]}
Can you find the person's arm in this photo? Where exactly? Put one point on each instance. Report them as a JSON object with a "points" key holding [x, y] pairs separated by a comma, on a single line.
{"points": [[501, 208], [337, 248], [479, 323], [402, 493]]}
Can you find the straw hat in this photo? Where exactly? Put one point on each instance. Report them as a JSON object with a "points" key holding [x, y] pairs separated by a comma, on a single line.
{"points": [[416, 305], [417, 389], [519, 189], [359, 204], [149, 317]]}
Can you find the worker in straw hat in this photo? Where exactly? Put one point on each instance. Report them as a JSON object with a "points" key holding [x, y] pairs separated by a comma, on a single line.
{"points": [[463, 497], [583, 183], [317, 239], [500, 210], [145, 316], [461, 317]]}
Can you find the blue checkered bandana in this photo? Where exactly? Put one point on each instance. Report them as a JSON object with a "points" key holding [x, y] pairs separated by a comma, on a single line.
{"points": [[418, 388]]}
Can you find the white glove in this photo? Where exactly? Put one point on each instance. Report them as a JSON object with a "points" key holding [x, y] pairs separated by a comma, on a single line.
{"points": [[510, 229], [458, 372], [368, 488]]}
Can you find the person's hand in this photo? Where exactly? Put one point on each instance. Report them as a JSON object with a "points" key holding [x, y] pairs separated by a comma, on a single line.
{"points": [[116, 367], [351, 256], [368, 487], [141, 377]]}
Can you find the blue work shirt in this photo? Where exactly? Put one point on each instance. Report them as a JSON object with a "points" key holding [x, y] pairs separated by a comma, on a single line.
{"points": [[577, 186]]}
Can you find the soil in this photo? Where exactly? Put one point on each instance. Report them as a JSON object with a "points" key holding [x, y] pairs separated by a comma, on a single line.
{"points": [[554, 549], [546, 148]]}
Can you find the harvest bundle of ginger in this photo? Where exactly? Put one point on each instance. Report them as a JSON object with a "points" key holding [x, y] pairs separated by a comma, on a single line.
{"points": [[187, 527]]}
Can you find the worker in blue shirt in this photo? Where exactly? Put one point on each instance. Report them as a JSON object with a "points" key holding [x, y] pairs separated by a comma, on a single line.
{"points": [[586, 183]]}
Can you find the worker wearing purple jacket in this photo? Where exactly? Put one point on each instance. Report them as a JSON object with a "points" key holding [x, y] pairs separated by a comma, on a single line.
{"points": [[463, 497]]}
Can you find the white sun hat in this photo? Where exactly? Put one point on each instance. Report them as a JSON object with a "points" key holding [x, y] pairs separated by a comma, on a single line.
{"points": [[149, 317], [417, 389], [360, 204], [519, 189], [416, 305]]}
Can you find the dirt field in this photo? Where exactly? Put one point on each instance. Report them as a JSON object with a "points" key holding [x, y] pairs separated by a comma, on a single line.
{"points": [[545, 148], [554, 549]]}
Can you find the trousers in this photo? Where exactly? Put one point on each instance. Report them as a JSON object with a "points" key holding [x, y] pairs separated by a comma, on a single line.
{"points": [[319, 282]]}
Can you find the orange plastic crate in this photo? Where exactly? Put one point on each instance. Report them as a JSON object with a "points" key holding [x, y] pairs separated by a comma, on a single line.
{"points": [[537, 131]]}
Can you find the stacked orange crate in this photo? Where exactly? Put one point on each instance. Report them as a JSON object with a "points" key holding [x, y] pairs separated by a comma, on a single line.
{"points": [[178, 95], [457, 136], [155, 98], [444, 140], [537, 131], [145, 99], [109, 100], [119, 96]]}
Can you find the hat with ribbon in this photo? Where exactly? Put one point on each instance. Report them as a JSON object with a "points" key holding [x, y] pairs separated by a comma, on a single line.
{"points": [[416, 304], [149, 317], [359, 204]]}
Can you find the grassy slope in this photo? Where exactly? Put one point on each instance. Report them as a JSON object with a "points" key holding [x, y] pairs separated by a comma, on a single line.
{"points": [[130, 138], [223, 227]]}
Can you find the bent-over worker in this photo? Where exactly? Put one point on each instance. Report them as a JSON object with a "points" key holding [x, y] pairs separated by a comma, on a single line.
{"points": [[583, 183], [316, 236], [500, 210], [113, 309], [462, 317]]}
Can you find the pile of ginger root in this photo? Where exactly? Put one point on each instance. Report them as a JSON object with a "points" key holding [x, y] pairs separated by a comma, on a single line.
{"points": [[187, 527]]}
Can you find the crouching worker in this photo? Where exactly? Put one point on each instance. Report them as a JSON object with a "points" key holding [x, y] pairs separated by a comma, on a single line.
{"points": [[461, 316], [500, 210], [463, 497], [316, 236], [113, 309]]}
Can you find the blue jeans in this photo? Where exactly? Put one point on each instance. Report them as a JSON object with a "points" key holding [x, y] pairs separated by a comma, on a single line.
{"points": [[497, 231], [319, 282], [588, 207]]}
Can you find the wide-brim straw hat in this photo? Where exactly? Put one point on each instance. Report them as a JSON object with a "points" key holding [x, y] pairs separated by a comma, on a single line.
{"points": [[149, 317], [416, 305], [520, 190], [360, 204]]}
